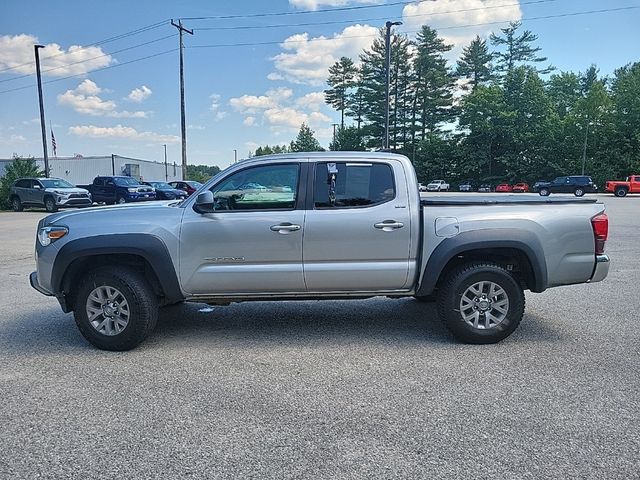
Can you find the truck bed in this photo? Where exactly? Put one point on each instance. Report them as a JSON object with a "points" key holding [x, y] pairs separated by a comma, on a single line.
{"points": [[496, 198]]}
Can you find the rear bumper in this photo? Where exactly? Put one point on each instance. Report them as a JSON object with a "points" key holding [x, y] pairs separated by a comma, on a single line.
{"points": [[601, 269]]}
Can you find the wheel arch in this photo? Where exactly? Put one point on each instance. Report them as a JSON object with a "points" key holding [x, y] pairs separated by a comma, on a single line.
{"points": [[518, 251], [146, 253]]}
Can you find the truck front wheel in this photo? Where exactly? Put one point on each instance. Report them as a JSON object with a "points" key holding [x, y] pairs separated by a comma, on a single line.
{"points": [[480, 303], [115, 308]]}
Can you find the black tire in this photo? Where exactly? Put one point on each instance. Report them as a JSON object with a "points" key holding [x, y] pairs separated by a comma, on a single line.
{"points": [[120, 200], [578, 192], [544, 192], [621, 192], [141, 300], [50, 205], [454, 287], [16, 204]]}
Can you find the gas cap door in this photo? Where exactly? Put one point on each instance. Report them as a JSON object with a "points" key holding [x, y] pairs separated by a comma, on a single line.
{"points": [[447, 227]]}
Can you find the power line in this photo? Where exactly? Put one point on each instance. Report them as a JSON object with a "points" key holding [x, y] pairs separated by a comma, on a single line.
{"points": [[545, 17], [94, 71], [337, 22], [304, 12], [137, 31], [92, 58]]}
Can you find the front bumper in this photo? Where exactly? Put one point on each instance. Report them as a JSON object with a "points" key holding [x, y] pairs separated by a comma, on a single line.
{"points": [[140, 197], [33, 280], [601, 269]]}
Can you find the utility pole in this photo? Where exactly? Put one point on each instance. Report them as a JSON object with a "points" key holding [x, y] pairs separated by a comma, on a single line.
{"points": [[183, 127], [42, 124], [387, 74], [166, 171], [334, 133]]}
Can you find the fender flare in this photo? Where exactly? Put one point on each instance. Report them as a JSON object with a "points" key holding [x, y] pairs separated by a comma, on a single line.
{"points": [[149, 247], [526, 242]]}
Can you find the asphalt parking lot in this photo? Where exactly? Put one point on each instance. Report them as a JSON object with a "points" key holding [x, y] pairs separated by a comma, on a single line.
{"points": [[364, 389]]}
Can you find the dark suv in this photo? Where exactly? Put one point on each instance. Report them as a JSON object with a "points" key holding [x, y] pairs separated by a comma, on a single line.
{"points": [[576, 184], [50, 193]]}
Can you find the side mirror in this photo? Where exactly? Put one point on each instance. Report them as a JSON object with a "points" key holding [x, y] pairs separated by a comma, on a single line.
{"points": [[37, 187], [204, 202]]}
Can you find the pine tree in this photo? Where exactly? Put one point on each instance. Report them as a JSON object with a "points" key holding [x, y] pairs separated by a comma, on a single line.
{"points": [[433, 96], [372, 89], [347, 139], [305, 141], [518, 49], [342, 76], [475, 63]]}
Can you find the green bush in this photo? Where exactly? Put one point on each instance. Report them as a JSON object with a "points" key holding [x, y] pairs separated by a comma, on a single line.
{"points": [[20, 167]]}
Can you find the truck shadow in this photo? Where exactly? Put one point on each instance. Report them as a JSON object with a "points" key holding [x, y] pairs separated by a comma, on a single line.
{"points": [[399, 322]]}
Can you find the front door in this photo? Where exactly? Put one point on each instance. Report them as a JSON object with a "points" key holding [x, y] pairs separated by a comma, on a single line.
{"points": [[252, 242], [358, 229]]}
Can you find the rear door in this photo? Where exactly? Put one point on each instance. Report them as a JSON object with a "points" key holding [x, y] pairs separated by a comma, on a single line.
{"points": [[252, 242], [357, 234]]}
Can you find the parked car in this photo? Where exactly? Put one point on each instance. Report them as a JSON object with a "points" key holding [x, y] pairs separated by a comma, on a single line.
{"points": [[576, 184], [504, 188], [437, 186], [422, 188], [50, 193], [485, 188], [465, 186], [188, 186], [164, 191], [114, 269], [116, 189], [620, 189], [521, 187]]}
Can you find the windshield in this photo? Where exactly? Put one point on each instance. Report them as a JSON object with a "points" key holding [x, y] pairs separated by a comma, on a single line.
{"points": [[126, 181], [195, 185], [161, 185], [56, 183]]}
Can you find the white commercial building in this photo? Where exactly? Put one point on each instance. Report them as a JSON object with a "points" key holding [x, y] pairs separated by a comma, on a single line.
{"points": [[82, 170]]}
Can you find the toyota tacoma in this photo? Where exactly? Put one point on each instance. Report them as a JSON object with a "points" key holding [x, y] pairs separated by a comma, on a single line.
{"points": [[302, 226]]}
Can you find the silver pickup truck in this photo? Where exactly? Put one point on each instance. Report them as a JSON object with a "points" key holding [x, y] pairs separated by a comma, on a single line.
{"points": [[334, 225]]}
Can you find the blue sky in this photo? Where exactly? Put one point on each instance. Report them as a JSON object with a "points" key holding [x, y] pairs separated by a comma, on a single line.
{"points": [[238, 96]]}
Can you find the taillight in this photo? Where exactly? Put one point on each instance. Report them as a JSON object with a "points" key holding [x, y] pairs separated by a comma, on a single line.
{"points": [[600, 224]]}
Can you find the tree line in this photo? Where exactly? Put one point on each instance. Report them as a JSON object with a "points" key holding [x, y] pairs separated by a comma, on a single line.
{"points": [[501, 113]]}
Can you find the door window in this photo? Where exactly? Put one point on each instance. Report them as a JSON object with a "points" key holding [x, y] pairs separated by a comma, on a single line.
{"points": [[355, 185], [269, 187], [23, 184]]}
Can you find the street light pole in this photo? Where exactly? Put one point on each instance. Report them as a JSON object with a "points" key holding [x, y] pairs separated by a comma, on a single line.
{"points": [[584, 147], [166, 171], [387, 71], [235, 155], [42, 124]]}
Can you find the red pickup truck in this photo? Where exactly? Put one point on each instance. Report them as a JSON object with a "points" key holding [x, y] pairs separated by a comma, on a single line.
{"points": [[620, 189]]}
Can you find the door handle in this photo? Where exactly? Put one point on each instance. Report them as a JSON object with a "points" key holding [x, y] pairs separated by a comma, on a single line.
{"points": [[388, 225], [285, 228]]}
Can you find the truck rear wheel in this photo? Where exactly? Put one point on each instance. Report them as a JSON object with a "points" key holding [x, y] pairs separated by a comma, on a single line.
{"points": [[544, 192], [621, 192], [115, 308], [480, 303]]}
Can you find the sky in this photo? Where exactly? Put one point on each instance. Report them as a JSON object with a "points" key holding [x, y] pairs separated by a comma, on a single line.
{"points": [[251, 78]]}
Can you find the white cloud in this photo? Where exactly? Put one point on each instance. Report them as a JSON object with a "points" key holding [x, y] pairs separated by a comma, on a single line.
{"points": [[254, 103], [120, 131], [249, 121], [16, 51], [215, 107], [312, 101], [12, 139], [139, 94], [307, 60], [315, 4], [84, 99], [417, 14]]}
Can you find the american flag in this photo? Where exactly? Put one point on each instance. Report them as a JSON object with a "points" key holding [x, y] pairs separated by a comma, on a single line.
{"points": [[53, 143]]}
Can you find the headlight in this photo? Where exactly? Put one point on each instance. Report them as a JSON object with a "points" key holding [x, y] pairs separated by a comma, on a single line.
{"points": [[46, 235], [62, 194], [132, 190]]}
